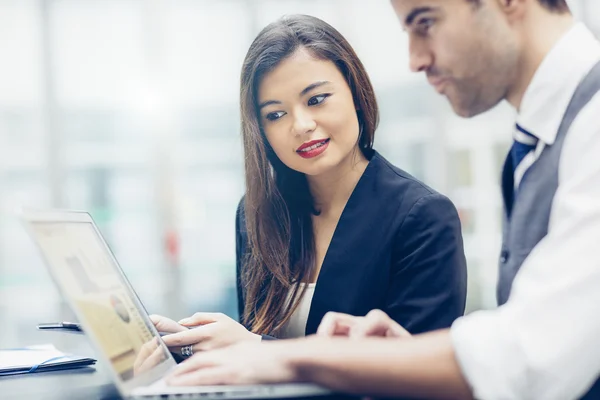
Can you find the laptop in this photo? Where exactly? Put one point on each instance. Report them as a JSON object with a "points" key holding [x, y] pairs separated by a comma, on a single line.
{"points": [[110, 312]]}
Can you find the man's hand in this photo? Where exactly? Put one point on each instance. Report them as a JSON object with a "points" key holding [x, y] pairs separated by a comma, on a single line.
{"points": [[373, 366], [375, 323]]}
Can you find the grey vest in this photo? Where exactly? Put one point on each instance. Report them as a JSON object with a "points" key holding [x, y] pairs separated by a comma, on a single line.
{"points": [[526, 220]]}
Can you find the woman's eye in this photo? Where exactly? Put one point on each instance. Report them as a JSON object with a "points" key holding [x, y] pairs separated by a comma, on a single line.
{"points": [[313, 101], [274, 115]]}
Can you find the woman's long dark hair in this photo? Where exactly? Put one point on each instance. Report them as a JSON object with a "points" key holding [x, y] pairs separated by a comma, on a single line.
{"points": [[278, 202]]}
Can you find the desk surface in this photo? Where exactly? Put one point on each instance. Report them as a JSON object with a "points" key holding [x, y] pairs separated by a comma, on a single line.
{"points": [[89, 383], [83, 383]]}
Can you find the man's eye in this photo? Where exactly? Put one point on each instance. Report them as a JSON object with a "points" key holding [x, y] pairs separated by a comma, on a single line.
{"points": [[313, 101], [424, 24], [274, 115]]}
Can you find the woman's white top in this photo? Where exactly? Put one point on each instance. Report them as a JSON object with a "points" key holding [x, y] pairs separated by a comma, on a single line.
{"points": [[296, 326]]}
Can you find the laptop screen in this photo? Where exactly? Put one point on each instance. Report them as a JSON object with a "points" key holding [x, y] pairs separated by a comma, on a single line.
{"points": [[86, 273]]}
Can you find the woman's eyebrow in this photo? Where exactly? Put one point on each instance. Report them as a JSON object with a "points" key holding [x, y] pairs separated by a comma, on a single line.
{"points": [[268, 103], [302, 93], [313, 86]]}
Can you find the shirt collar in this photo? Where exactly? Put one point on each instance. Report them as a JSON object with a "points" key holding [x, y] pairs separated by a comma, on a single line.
{"points": [[555, 81]]}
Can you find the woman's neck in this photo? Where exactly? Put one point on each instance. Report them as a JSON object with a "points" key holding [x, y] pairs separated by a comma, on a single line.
{"points": [[332, 190]]}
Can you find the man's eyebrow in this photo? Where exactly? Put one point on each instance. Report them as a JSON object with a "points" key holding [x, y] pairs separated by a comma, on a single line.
{"points": [[410, 18]]}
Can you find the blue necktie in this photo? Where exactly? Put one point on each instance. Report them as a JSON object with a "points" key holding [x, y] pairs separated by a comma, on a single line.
{"points": [[524, 142]]}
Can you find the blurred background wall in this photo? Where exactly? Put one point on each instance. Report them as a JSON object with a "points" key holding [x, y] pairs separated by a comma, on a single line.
{"points": [[129, 109]]}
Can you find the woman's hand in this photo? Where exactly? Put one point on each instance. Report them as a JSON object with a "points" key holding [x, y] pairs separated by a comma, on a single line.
{"points": [[149, 356], [375, 323], [166, 325], [208, 331], [241, 364]]}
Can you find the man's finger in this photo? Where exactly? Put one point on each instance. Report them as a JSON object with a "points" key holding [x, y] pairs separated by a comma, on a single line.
{"points": [[335, 324], [378, 323], [398, 331], [381, 320], [368, 328]]}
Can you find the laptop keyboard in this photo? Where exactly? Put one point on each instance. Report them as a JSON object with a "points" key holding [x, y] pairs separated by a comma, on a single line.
{"points": [[205, 396]]}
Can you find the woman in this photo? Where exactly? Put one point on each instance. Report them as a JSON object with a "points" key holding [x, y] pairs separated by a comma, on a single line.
{"points": [[326, 224]]}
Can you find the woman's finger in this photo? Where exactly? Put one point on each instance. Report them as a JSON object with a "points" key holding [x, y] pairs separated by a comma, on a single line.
{"points": [[197, 361], [201, 318], [145, 352], [189, 336], [196, 347], [204, 376], [164, 324], [153, 360]]}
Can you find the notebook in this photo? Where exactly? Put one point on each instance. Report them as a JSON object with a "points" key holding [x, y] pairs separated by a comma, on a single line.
{"points": [[32, 359]]}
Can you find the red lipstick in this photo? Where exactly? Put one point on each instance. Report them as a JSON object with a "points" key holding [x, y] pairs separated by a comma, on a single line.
{"points": [[313, 148]]}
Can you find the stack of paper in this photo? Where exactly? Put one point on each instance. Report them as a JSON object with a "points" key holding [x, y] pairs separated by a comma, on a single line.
{"points": [[38, 359]]}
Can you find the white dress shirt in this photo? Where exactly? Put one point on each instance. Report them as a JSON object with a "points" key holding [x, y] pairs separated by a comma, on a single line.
{"points": [[544, 343]]}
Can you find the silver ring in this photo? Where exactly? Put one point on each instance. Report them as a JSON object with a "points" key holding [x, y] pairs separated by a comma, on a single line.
{"points": [[187, 351]]}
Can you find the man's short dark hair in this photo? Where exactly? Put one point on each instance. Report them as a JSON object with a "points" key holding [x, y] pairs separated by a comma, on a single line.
{"points": [[555, 5], [559, 6]]}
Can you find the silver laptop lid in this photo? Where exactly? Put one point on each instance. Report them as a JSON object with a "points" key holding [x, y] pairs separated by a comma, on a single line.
{"points": [[89, 277]]}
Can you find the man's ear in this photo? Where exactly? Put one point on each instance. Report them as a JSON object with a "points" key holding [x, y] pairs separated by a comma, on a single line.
{"points": [[513, 8]]}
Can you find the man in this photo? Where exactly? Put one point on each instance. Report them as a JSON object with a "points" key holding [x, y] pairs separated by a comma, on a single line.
{"points": [[543, 342]]}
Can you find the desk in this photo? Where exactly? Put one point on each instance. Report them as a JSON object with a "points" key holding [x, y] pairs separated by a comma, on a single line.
{"points": [[83, 383], [90, 383], [86, 383]]}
